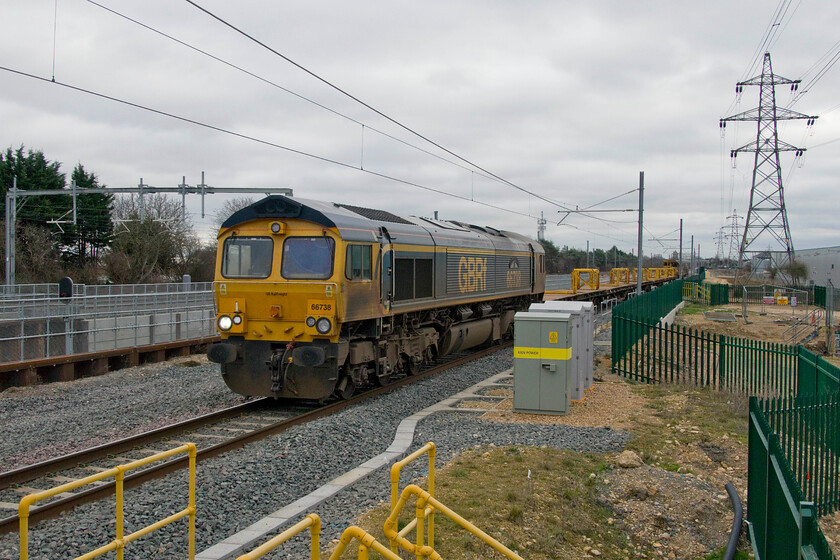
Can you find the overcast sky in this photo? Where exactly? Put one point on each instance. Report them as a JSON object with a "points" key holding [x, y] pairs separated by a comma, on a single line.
{"points": [[568, 100]]}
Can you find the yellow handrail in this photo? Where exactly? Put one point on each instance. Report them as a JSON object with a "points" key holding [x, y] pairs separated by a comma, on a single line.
{"points": [[619, 276], [395, 489], [424, 499], [367, 542], [592, 279], [118, 472], [312, 521]]}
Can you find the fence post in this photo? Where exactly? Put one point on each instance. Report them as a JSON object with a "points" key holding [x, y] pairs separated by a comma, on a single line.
{"points": [[806, 524], [721, 345]]}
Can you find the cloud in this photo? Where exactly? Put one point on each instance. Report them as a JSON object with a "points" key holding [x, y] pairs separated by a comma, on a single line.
{"points": [[566, 99]]}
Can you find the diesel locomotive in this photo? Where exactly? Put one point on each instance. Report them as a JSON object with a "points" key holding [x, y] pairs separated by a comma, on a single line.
{"points": [[316, 299]]}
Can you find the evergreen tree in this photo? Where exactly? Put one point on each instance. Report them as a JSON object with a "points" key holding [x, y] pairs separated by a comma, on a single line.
{"points": [[33, 172], [85, 241], [60, 246]]}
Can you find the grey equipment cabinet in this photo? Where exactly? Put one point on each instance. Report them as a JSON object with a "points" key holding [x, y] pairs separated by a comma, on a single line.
{"points": [[542, 362], [583, 347]]}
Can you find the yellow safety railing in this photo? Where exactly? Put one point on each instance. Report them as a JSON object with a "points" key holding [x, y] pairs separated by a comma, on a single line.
{"points": [[311, 522], [426, 504], [366, 543], [586, 277], [395, 490], [590, 278], [620, 276], [425, 500], [693, 291], [118, 544]]}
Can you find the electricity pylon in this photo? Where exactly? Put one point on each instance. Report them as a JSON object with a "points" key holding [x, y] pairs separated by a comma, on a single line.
{"points": [[767, 215], [733, 235]]}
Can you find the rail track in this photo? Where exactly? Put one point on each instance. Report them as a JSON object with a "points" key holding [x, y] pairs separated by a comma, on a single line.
{"points": [[229, 430]]}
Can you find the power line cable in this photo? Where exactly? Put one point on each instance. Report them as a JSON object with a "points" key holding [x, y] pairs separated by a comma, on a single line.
{"points": [[763, 41], [780, 29], [369, 107], [767, 39], [278, 86], [259, 140], [831, 57], [824, 143]]}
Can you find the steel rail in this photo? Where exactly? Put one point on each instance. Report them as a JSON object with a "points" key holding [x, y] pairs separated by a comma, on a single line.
{"points": [[52, 509], [37, 470]]}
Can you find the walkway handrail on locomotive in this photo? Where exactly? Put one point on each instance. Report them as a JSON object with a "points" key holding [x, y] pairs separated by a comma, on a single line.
{"points": [[118, 472], [425, 500], [395, 491]]}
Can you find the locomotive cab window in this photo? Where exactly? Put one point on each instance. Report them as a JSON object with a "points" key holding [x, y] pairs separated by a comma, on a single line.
{"points": [[357, 264], [308, 258], [247, 257]]}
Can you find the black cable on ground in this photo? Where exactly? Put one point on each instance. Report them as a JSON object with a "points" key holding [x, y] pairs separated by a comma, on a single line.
{"points": [[737, 522]]}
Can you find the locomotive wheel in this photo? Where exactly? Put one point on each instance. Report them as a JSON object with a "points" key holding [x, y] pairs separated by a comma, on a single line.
{"points": [[381, 380], [345, 388], [409, 367]]}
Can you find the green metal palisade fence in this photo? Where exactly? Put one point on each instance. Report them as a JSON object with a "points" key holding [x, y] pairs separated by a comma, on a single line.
{"points": [[794, 437], [671, 354], [809, 437], [782, 517], [817, 376]]}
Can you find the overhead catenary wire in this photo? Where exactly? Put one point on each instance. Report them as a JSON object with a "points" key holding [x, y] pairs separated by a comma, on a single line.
{"points": [[259, 140], [370, 107], [589, 210], [282, 88]]}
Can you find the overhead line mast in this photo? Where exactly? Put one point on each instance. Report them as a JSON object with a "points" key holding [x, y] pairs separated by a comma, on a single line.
{"points": [[767, 214]]}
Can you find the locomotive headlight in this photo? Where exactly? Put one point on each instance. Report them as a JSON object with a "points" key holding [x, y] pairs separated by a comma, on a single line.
{"points": [[323, 325], [225, 323], [310, 321], [237, 319]]}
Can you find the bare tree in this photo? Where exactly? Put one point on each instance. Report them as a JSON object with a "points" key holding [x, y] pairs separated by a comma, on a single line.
{"points": [[37, 258], [152, 241], [230, 206]]}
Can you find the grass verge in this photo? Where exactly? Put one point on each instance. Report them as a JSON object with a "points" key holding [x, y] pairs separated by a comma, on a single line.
{"points": [[542, 503]]}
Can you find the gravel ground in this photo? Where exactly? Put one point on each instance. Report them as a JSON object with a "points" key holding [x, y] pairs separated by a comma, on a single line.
{"points": [[45, 421], [241, 487]]}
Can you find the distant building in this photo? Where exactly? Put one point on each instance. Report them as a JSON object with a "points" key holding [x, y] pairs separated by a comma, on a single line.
{"points": [[823, 264]]}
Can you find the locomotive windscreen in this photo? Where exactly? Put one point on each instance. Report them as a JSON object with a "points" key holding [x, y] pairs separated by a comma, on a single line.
{"points": [[309, 258], [247, 257]]}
